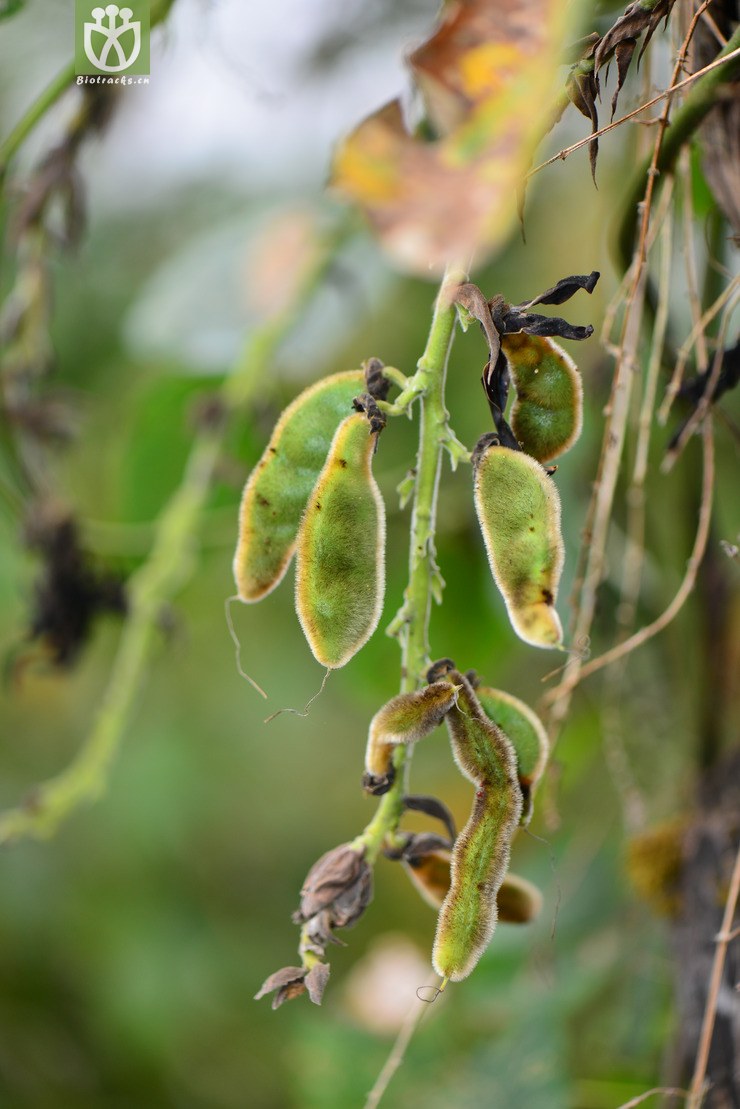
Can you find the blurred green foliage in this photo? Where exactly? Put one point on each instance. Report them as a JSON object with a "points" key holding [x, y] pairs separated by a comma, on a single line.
{"points": [[132, 943]]}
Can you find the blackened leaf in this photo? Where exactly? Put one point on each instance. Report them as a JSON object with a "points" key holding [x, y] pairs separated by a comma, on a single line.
{"points": [[565, 289], [425, 843], [623, 53], [534, 324], [635, 19], [432, 806], [316, 980], [583, 89]]}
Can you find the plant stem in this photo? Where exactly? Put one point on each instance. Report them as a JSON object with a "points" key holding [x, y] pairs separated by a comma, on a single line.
{"points": [[49, 96], [411, 625], [35, 114]]}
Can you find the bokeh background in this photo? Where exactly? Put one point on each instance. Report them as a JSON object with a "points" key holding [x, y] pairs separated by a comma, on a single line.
{"points": [[132, 943]]}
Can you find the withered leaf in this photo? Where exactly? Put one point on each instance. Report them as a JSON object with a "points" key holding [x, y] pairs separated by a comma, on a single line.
{"points": [[340, 884], [485, 75], [564, 289], [431, 806], [287, 982], [478, 51], [623, 52], [316, 981], [636, 19]]}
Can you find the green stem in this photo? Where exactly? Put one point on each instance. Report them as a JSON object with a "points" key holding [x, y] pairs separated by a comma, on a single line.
{"points": [[411, 625], [698, 103], [35, 114], [169, 565], [49, 96]]}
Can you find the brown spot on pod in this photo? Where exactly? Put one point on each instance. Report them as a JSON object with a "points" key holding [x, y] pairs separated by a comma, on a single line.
{"points": [[340, 569], [547, 415], [280, 484]]}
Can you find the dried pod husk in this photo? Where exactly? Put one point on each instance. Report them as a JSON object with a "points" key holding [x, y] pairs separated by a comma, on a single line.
{"points": [[280, 484], [527, 734], [340, 884], [518, 510], [340, 568], [404, 719], [547, 415], [517, 900], [480, 857]]}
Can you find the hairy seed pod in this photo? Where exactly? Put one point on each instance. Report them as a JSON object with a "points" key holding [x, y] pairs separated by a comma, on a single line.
{"points": [[547, 414], [340, 568], [517, 901], [480, 857], [519, 514], [405, 719], [527, 734], [280, 484]]}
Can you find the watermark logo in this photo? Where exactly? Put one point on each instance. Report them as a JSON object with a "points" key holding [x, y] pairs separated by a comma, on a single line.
{"points": [[112, 41]]}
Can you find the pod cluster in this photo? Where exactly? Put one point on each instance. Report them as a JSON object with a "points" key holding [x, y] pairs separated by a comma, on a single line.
{"points": [[501, 746], [313, 494]]}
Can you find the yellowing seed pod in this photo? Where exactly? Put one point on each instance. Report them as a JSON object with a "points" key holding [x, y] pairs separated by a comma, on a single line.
{"points": [[518, 510], [340, 567], [480, 857], [279, 486], [405, 719], [547, 415], [527, 734]]}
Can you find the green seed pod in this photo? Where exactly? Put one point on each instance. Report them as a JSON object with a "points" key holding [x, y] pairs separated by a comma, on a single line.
{"points": [[547, 414], [480, 857], [527, 734], [405, 719], [340, 568], [280, 484], [519, 514]]}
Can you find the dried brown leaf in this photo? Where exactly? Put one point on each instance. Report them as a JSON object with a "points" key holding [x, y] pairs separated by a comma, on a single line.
{"points": [[485, 76]]}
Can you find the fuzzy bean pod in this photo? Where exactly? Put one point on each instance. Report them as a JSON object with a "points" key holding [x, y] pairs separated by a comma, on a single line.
{"points": [[340, 568], [405, 719], [527, 734], [280, 484], [480, 857], [547, 415], [518, 510]]}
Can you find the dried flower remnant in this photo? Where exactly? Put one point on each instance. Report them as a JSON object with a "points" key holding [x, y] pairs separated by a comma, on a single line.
{"points": [[290, 982], [498, 319], [335, 894]]}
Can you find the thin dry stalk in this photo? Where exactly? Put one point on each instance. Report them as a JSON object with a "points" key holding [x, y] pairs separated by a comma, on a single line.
{"points": [[684, 590], [397, 1054], [715, 982], [702, 408], [685, 349], [618, 410], [689, 246], [670, 91], [666, 1091]]}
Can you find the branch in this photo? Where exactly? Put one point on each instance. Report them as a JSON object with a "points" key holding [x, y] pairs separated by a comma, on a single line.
{"points": [[411, 624], [169, 566]]}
